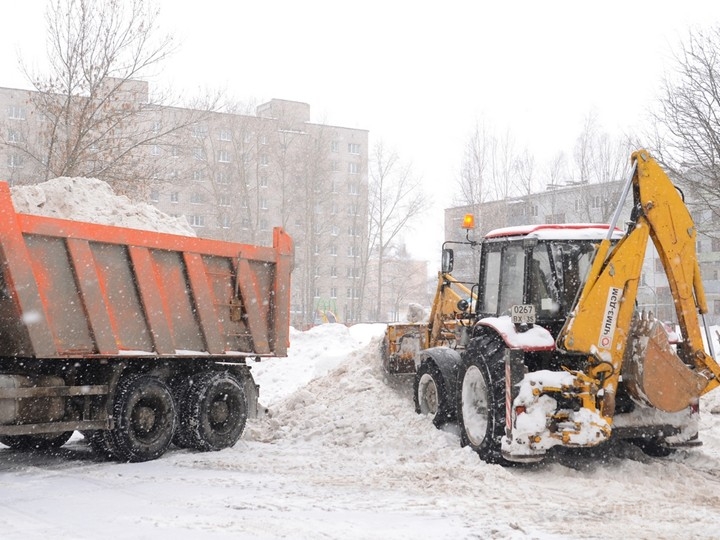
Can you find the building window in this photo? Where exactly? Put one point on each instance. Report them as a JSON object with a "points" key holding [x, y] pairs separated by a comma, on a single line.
{"points": [[222, 178], [175, 197], [352, 251], [155, 150], [353, 148], [263, 224], [353, 168], [15, 161], [353, 188], [333, 271], [16, 113], [175, 151], [197, 176], [333, 292], [335, 166], [596, 201], [224, 200], [199, 154], [225, 221], [263, 203], [333, 250], [245, 223], [154, 195], [199, 132], [223, 156], [263, 180], [197, 221], [156, 127], [197, 198], [334, 146], [335, 230], [225, 135], [263, 139], [353, 210], [264, 159], [555, 218], [14, 136]]}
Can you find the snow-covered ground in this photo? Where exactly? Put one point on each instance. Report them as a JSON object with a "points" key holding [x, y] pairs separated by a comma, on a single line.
{"points": [[343, 455]]}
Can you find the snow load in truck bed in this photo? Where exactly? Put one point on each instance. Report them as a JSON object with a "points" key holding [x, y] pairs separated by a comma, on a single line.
{"points": [[92, 200]]}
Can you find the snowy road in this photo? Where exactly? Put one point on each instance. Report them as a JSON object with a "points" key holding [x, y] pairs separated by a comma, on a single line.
{"points": [[344, 456]]}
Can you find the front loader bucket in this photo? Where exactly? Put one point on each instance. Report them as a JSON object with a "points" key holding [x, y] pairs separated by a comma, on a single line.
{"points": [[654, 373]]}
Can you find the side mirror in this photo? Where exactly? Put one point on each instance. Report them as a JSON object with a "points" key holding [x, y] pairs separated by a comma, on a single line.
{"points": [[448, 257]]}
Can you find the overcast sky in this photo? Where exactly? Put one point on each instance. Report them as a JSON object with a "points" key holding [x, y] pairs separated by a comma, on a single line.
{"points": [[419, 76]]}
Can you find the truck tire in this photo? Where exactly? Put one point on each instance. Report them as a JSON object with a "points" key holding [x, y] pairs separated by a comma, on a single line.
{"points": [[45, 442], [97, 440], [431, 395], [144, 419], [481, 398], [215, 411]]}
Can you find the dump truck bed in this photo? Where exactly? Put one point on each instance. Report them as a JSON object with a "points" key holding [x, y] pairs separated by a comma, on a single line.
{"points": [[75, 289]]}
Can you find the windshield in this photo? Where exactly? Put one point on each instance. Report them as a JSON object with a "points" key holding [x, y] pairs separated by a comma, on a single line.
{"points": [[557, 270]]}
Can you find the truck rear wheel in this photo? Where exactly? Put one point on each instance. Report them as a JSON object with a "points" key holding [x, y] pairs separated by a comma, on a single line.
{"points": [[431, 395], [481, 398], [144, 418], [44, 442], [214, 414]]}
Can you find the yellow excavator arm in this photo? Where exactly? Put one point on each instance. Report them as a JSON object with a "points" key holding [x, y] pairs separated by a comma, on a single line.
{"points": [[403, 340], [604, 324]]}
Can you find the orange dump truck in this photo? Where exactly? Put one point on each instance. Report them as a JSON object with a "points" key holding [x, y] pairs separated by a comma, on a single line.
{"points": [[137, 339]]}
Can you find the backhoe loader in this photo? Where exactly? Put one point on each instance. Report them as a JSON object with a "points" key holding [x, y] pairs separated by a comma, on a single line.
{"points": [[548, 348]]}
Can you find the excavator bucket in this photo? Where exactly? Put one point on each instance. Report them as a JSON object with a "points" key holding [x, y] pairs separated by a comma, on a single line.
{"points": [[654, 373]]}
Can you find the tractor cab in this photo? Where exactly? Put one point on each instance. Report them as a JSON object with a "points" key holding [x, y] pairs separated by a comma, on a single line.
{"points": [[534, 273]]}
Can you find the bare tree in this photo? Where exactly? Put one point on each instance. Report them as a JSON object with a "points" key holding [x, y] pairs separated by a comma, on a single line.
{"points": [[474, 171], [492, 168], [687, 122], [599, 159], [396, 198], [93, 114]]}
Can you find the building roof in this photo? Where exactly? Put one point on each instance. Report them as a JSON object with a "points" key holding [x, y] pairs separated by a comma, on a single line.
{"points": [[557, 231]]}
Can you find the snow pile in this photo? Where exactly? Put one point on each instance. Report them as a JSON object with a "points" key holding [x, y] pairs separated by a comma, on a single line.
{"points": [[343, 455], [347, 400], [92, 200]]}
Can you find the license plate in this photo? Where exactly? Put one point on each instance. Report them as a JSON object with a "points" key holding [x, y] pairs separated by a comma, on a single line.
{"points": [[523, 314]]}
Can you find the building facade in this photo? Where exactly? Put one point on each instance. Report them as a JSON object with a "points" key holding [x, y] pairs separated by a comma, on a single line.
{"points": [[235, 176]]}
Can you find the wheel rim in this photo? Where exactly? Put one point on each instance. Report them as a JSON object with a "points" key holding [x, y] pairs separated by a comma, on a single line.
{"points": [[149, 420], [223, 409], [475, 405], [428, 395]]}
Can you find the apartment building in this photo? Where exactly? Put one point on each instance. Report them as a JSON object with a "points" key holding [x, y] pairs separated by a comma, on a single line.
{"points": [[233, 176]]}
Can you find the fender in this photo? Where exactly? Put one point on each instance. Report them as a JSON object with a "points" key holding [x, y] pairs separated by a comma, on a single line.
{"points": [[535, 338], [447, 360]]}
